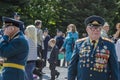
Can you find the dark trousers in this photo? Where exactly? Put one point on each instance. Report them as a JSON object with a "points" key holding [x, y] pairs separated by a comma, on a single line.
{"points": [[53, 71], [40, 53], [38, 68]]}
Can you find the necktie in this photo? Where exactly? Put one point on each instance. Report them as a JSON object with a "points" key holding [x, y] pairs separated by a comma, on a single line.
{"points": [[93, 42], [93, 46]]}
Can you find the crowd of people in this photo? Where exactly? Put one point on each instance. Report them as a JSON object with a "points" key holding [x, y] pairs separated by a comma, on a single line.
{"points": [[26, 50]]}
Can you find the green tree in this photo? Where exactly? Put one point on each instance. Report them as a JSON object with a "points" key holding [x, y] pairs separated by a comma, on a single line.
{"points": [[57, 14], [75, 11], [8, 7], [45, 10]]}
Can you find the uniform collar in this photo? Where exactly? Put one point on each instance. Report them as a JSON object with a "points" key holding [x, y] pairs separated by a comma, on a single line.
{"points": [[15, 35], [96, 41]]}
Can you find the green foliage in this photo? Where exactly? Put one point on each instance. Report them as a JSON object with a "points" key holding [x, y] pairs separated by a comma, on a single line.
{"points": [[57, 14], [77, 10]]}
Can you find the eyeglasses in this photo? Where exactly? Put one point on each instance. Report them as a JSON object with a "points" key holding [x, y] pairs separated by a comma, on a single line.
{"points": [[95, 28]]}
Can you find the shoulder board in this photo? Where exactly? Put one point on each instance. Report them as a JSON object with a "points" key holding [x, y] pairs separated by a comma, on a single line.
{"points": [[107, 39], [82, 39]]}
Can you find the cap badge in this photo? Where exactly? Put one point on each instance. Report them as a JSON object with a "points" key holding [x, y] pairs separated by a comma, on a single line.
{"points": [[95, 22]]}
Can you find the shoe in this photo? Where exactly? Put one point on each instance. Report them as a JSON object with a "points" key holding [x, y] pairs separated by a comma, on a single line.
{"points": [[57, 75], [66, 77], [42, 73], [36, 72], [35, 76]]}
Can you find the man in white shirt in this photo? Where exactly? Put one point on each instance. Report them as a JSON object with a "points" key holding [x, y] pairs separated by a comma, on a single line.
{"points": [[105, 29], [118, 53]]}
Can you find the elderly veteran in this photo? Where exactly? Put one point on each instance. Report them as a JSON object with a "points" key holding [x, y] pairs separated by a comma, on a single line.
{"points": [[14, 50], [94, 57]]}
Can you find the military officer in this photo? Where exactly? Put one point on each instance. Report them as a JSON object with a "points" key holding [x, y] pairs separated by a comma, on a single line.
{"points": [[94, 57], [17, 17], [14, 50]]}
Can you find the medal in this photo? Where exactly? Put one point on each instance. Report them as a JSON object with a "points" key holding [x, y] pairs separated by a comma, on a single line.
{"points": [[94, 69], [101, 70], [91, 62], [84, 61], [91, 55], [82, 46], [91, 68], [88, 47], [88, 60], [87, 65], [107, 52], [103, 50], [87, 54], [80, 66], [98, 50], [83, 65], [80, 55], [105, 70], [105, 47]]}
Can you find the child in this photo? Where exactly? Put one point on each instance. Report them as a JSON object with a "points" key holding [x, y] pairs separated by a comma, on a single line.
{"points": [[53, 58]]}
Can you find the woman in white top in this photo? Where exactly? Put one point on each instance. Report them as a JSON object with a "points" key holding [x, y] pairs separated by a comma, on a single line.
{"points": [[31, 35]]}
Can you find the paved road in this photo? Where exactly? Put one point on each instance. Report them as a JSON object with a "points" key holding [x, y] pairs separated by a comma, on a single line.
{"points": [[62, 70]]}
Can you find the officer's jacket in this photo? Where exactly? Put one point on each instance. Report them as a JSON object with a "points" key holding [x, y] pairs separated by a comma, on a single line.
{"points": [[99, 63], [14, 50]]}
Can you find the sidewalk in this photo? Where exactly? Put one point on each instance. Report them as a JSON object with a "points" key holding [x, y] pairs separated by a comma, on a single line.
{"points": [[62, 70]]}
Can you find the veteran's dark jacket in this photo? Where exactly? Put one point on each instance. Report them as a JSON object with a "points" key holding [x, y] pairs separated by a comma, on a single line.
{"points": [[15, 52], [99, 63]]}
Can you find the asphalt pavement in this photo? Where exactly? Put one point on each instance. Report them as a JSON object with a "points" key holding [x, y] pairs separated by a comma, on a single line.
{"points": [[46, 76]]}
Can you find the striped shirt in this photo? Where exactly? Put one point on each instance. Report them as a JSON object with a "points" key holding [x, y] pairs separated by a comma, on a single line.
{"points": [[32, 55]]}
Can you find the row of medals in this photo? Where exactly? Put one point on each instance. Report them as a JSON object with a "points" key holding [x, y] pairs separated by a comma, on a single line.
{"points": [[101, 58]]}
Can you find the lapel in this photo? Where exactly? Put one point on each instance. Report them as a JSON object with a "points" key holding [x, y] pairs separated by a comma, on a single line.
{"points": [[15, 36]]}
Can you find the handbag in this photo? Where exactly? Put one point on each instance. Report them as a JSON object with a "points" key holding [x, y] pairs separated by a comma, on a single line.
{"points": [[61, 56]]}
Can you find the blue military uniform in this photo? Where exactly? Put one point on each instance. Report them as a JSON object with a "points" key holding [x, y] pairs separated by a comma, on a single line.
{"points": [[21, 24], [14, 51], [93, 62]]}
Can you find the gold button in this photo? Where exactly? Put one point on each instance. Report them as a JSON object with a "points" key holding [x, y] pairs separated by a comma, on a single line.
{"points": [[90, 75], [91, 62], [105, 70], [94, 69], [83, 65]]}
